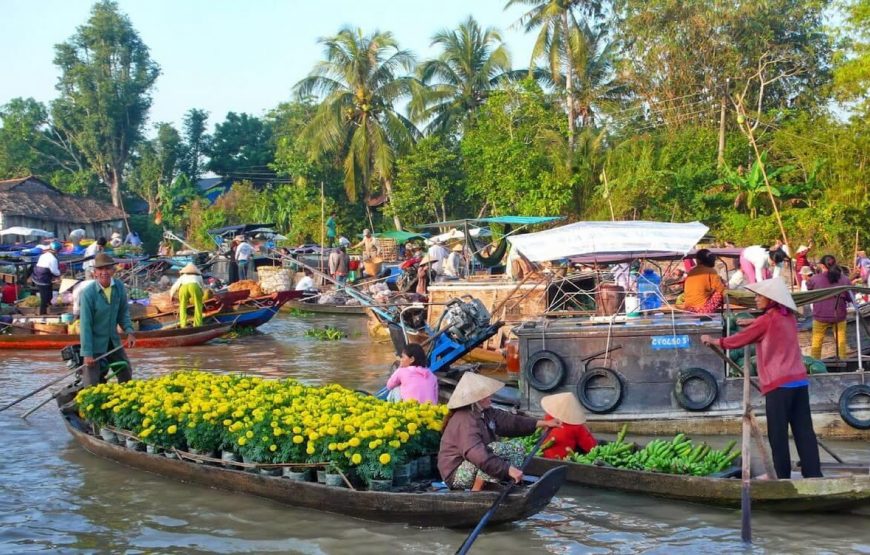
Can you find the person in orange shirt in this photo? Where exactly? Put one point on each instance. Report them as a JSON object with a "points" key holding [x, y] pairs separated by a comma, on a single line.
{"points": [[703, 289], [572, 435]]}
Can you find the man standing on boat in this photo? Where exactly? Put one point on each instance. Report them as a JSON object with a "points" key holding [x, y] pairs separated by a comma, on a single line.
{"points": [[244, 254], [104, 308], [339, 264], [45, 271], [330, 231]]}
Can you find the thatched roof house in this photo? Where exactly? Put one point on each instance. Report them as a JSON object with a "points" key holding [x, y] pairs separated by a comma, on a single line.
{"points": [[31, 202]]}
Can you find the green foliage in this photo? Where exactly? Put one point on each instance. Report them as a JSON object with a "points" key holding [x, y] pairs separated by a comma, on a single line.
{"points": [[430, 184], [150, 233], [514, 154], [196, 143], [326, 333], [241, 147], [154, 165], [105, 83], [357, 121], [471, 64]]}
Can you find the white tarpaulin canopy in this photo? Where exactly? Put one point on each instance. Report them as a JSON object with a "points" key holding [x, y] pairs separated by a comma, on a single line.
{"points": [[608, 238], [26, 232], [456, 235]]}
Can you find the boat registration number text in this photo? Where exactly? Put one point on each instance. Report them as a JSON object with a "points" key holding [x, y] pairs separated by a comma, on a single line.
{"points": [[659, 342]]}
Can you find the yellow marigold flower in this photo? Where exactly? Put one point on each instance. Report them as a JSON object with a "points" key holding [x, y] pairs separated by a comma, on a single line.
{"points": [[171, 429], [395, 444], [249, 434], [242, 441], [310, 450], [332, 446], [273, 448], [354, 442], [297, 439], [227, 422], [356, 458], [384, 458]]}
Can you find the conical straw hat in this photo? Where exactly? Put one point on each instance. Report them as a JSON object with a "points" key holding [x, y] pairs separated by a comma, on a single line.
{"points": [[190, 269], [471, 389], [565, 407], [775, 290]]}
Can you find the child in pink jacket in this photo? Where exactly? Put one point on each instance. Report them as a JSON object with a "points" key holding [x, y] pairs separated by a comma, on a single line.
{"points": [[413, 377]]}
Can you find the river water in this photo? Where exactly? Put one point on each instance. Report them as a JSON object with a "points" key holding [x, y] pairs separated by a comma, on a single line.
{"points": [[55, 497]]}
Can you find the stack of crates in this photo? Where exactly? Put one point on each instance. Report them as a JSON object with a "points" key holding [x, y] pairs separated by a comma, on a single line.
{"points": [[389, 249]]}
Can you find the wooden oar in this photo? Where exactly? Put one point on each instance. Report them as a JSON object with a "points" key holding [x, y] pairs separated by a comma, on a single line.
{"points": [[466, 545], [746, 475], [723, 356], [52, 382]]}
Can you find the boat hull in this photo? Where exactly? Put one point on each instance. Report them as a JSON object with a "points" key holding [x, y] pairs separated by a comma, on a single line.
{"points": [[837, 493], [178, 337], [448, 509], [351, 310]]}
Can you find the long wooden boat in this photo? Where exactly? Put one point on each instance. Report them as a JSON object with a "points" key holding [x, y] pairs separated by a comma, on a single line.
{"points": [[842, 488], [353, 310], [177, 337], [450, 509]]}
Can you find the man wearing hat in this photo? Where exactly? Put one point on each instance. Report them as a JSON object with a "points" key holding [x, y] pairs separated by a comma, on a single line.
{"points": [[44, 272], [782, 376], [189, 288], [437, 254], [470, 450], [801, 261], [572, 436], [370, 246], [103, 306], [455, 262]]}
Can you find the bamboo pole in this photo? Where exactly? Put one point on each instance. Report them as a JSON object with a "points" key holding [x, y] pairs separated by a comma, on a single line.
{"points": [[607, 193], [745, 496], [751, 136], [322, 224]]}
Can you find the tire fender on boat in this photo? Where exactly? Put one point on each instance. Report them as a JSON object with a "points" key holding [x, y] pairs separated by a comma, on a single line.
{"points": [[846, 411], [557, 367], [711, 389], [586, 384]]}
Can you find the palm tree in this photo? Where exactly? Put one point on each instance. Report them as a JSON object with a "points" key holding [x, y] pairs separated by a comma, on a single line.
{"points": [[472, 62], [555, 18], [359, 83], [596, 86]]}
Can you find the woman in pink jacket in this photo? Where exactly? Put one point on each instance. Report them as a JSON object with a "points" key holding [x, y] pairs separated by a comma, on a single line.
{"points": [[413, 377], [782, 376]]}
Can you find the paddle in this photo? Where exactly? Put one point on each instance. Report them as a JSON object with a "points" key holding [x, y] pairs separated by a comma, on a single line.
{"points": [[52, 382], [466, 545], [723, 356]]}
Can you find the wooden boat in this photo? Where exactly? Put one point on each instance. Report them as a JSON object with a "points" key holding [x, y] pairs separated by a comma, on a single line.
{"points": [[304, 306], [177, 337], [255, 311], [166, 319], [843, 488], [450, 509]]}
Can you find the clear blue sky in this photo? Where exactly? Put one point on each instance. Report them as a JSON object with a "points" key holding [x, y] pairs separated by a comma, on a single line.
{"points": [[222, 55]]}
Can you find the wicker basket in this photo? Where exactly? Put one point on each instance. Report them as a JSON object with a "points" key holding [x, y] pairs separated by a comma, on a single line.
{"points": [[389, 249]]}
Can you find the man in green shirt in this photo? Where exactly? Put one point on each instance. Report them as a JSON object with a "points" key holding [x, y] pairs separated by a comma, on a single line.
{"points": [[330, 231], [103, 306]]}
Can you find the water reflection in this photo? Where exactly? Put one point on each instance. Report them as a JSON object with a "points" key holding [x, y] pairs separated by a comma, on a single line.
{"points": [[55, 497]]}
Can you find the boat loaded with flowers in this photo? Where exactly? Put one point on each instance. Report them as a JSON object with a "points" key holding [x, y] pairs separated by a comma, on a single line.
{"points": [[266, 437]]}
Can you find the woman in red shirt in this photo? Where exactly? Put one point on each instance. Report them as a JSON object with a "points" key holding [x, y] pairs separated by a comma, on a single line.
{"points": [[782, 376], [572, 435]]}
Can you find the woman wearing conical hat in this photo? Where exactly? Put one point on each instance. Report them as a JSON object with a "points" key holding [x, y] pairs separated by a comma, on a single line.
{"points": [[189, 288], [782, 376], [469, 441], [572, 436]]}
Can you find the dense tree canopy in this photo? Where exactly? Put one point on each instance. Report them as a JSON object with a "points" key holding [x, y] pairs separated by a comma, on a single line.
{"points": [[629, 110]]}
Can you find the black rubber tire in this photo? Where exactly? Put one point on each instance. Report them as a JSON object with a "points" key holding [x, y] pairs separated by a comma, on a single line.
{"points": [[531, 376], [845, 409], [582, 390], [712, 389]]}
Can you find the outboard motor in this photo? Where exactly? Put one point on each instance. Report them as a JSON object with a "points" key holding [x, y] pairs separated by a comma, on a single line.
{"points": [[464, 320]]}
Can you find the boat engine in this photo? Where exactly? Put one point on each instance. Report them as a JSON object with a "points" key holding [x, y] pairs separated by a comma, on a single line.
{"points": [[72, 355], [464, 319]]}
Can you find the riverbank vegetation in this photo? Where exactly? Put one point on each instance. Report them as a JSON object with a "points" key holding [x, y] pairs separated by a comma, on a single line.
{"points": [[626, 109]]}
